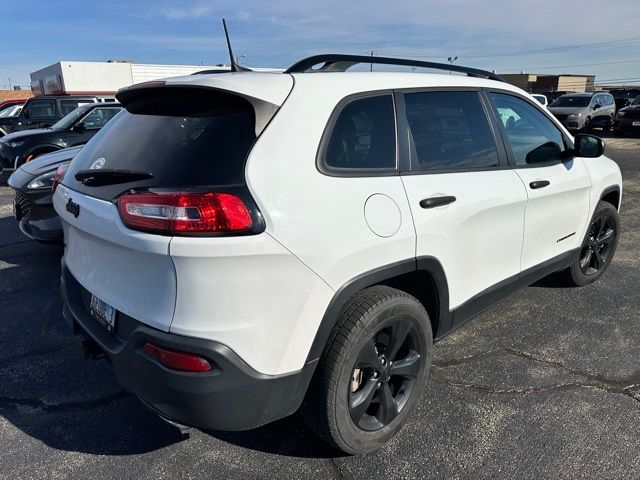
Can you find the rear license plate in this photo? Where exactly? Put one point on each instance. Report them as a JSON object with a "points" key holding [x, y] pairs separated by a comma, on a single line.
{"points": [[103, 313], [636, 124]]}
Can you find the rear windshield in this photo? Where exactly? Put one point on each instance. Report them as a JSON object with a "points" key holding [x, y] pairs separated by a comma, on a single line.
{"points": [[182, 137]]}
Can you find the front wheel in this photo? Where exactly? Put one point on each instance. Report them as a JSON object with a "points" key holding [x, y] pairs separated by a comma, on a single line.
{"points": [[598, 247], [372, 372]]}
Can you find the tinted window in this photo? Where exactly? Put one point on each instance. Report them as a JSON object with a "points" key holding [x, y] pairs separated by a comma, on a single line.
{"points": [[534, 138], [184, 138], [68, 106], [42, 109], [99, 117], [363, 136], [449, 130]]}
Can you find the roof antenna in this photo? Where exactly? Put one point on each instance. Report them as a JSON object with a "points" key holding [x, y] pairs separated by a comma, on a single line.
{"points": [[234, 65]]}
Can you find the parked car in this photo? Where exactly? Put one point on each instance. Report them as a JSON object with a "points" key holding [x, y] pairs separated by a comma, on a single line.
{"points": [[9, 103], [44, 110], [553, 95], [243, 244], [541, 98], [584, 111], [7, 109], [10, 111], [33, 206], [628, 119], [624, 96], [76, 128]]}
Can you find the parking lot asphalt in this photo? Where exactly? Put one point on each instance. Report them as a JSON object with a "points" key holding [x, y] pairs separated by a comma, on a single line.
{"points": [[546, 384]]}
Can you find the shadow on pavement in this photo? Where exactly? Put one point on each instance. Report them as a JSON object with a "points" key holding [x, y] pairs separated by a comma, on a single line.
{"points": [[289, 437]]}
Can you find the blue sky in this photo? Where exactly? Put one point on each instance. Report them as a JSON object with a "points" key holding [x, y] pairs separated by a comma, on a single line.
{"points": [[506, 35]]}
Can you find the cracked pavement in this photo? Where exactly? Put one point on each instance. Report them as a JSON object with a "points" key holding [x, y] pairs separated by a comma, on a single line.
{"points": [[546, 384]]}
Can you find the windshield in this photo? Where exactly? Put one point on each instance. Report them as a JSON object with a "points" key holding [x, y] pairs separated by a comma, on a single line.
{"points": [[68, 120], [636, 101], [10, 111], [572, 101]]}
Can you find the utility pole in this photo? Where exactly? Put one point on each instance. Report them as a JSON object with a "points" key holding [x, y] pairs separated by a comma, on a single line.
{"points": [[371, 64], [451, 60]]}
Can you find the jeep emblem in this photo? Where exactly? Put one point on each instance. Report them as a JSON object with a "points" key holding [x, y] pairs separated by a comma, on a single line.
{"points": [[97, 164], [73, 208]]}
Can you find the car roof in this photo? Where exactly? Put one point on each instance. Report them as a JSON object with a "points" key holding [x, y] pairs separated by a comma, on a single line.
{"points": [[274, 87]]}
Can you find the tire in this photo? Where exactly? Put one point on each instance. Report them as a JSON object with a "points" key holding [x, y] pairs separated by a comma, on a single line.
{"points": [[359, 398], [589, 267], [587, 125]]}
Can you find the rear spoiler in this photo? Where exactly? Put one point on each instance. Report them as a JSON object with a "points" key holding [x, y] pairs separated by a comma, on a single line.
{"points": [[263, 110]]}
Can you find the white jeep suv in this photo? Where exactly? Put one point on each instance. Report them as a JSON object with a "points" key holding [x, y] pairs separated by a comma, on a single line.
{"points": [[240, 245]]}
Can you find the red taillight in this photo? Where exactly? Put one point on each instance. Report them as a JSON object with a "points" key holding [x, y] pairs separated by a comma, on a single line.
{"points": [[58, 176], [185, 362], [176, 213]]}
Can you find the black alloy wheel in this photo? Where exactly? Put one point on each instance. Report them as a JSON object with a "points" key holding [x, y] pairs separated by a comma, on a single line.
{"points": [[595, 252], [372, 371], [598, 247], [384, 375]]}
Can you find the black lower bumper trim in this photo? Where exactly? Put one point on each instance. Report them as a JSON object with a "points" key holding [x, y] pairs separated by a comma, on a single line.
{"points": [[231, 397]]}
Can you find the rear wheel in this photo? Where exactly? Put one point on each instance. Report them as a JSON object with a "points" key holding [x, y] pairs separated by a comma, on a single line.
{"points": [[598, 247], [372, 372]]}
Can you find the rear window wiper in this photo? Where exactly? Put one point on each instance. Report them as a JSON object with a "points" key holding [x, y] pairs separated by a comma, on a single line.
{"points": [[96, 178]]}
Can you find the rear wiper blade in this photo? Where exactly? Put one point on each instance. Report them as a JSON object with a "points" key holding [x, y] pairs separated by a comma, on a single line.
{"points": [[95, 178]]}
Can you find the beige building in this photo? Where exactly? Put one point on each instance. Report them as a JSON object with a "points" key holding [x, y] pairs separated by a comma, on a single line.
{"points": [[540, 83]]}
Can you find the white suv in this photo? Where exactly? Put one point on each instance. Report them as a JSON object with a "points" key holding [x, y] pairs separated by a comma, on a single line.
{"points": [[239, 245]]}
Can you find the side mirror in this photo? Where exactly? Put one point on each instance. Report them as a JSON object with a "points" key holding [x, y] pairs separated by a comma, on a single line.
{"points": [[588, 146], [79, 128], [27, 114], [597, 106]]}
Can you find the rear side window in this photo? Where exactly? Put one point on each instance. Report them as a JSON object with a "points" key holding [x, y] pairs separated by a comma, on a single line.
{"points": [[449, 130], [363, 136], [533, 137], [183, 137], [41, 109]]}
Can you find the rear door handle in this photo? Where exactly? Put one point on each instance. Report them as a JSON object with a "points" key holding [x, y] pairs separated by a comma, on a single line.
{"points": [[540, 184], [437, 201]]}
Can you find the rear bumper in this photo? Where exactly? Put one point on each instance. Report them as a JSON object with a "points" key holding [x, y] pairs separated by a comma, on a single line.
{"points": [[232, 396]]}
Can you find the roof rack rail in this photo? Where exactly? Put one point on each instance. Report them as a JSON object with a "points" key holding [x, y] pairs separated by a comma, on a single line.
{"points": [[334, 62]]}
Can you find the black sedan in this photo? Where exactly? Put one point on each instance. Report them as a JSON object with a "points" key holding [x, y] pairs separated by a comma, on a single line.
{"points": [[76, 128], [33, 205]]}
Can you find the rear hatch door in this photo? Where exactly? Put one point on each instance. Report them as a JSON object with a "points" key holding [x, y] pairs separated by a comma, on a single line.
{"points": [[186, 138]]}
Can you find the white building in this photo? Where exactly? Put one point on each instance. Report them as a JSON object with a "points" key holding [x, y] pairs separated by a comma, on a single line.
{"points": [[103, 78]]}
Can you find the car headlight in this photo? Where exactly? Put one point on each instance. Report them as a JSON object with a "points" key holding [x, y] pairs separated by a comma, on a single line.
{"points": [[621, 114], [43, 181], [15, 144], [576, 115]]}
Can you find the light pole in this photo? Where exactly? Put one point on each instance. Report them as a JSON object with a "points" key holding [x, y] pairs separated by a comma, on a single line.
{"points": [[451, 60]]}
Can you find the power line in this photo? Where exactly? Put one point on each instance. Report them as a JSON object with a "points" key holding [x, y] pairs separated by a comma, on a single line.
{"points": [[559, 49], [14, 69]]}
